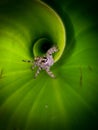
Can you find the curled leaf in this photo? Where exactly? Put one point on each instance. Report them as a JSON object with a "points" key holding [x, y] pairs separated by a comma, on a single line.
{"points": [[28, 28]]}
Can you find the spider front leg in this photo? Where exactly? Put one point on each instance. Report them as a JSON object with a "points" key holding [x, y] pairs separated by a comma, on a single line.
{"points": [[50, 72], [33, 67], [37, 73], [52, 50]]}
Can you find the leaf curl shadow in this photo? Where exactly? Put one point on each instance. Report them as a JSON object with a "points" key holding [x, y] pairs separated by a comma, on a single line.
{"points": [[70, 40], [70, 34]]}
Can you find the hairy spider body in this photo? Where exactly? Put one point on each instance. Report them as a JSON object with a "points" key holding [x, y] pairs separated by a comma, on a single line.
{"points": [[44, 62]]}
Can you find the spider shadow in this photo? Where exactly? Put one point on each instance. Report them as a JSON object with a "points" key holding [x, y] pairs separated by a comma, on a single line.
{"points": [[70, 40]]}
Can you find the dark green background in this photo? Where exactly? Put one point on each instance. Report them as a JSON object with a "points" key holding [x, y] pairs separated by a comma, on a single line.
{"points": [[69, 102]]}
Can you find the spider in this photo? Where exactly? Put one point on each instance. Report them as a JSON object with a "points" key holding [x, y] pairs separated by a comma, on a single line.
{"points": [[44, 62]]}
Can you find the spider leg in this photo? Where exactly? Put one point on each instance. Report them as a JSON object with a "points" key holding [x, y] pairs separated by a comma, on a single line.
{"points": [[29, 61], [52, 50], [50, 72], [37, 73], [33, 66]]}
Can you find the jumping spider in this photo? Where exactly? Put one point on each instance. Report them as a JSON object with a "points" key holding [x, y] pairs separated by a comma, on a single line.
{"points": [[44, 62]]}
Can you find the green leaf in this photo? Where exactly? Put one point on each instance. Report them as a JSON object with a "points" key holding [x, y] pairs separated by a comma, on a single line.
{"points": [[29, 28]]}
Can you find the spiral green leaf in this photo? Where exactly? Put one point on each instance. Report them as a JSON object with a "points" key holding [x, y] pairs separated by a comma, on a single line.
{"points": [[28, 28]]}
